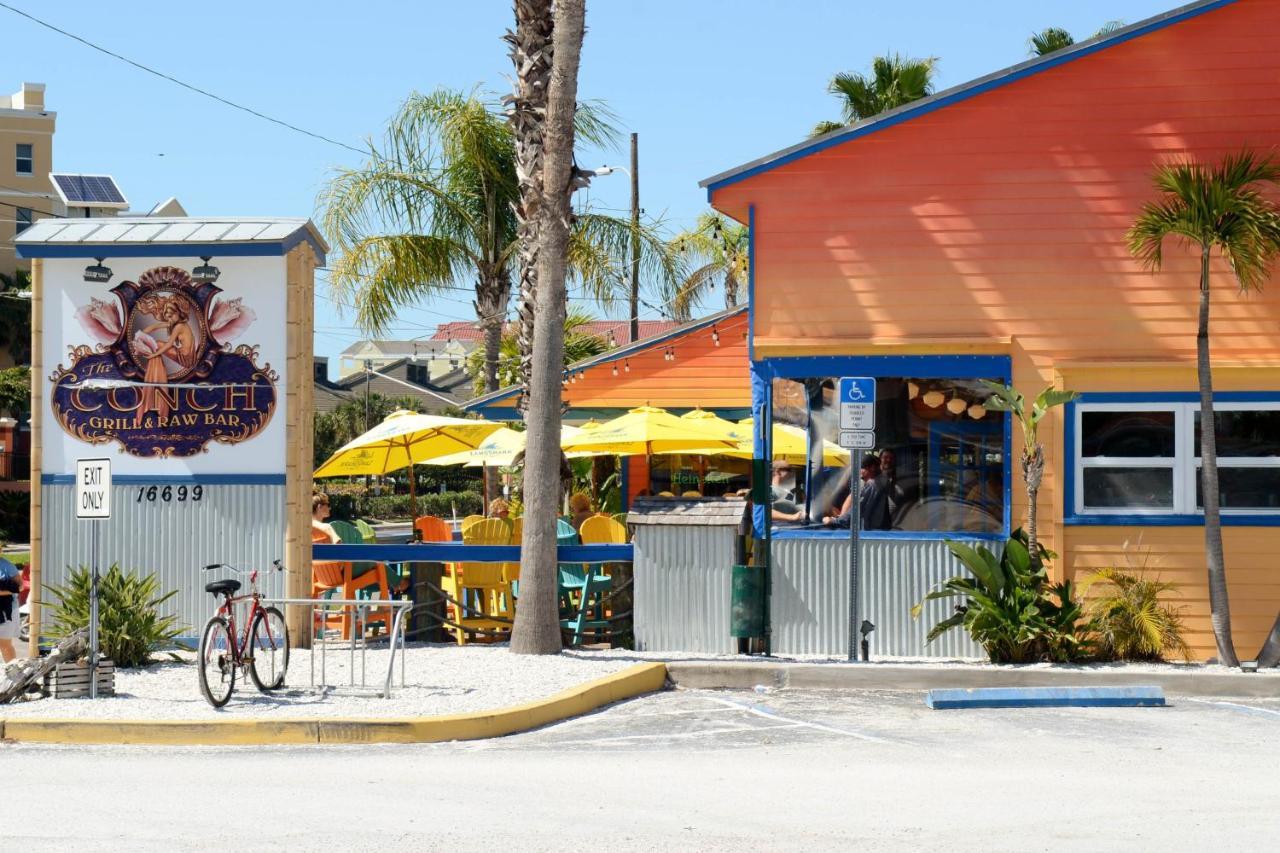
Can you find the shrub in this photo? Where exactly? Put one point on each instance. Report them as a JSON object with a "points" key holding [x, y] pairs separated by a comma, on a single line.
{"points": [[129, 624], [1010, 608], [383, 507], [1129, 620]]}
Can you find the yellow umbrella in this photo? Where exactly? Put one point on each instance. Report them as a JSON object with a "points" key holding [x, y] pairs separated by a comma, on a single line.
{"points": [[403, 439], [498, 450], [645, 431], [789, 443], [728, 429]]}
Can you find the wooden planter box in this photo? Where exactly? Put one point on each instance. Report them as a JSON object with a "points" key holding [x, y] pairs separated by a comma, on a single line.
{"points": [[71, 680]]}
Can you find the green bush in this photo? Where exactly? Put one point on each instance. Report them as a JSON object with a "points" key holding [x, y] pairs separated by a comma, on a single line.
{"points": [[15, 516], [386, 507], [129, 625], [1010, 608], [1129, 620]]}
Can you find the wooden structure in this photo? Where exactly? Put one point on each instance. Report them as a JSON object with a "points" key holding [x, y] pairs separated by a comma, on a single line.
{"points": [[981, 232]]}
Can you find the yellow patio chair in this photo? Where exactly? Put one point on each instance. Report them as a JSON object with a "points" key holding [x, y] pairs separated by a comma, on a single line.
{"points": [[511, 572], [478, 586], [471, 519]]}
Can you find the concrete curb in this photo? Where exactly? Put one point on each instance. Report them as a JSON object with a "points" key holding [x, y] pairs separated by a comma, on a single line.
{"points": [[887, 676], [630, 682]]}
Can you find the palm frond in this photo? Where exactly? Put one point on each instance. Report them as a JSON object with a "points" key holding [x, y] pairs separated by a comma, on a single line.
{"points": [[383, 273], [1049, 40], [600, 257]]}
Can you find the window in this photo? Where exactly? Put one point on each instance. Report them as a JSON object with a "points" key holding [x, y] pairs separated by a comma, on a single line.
{"points": [[941, 456], [24, 161], [23, 219], [1143, 458]]}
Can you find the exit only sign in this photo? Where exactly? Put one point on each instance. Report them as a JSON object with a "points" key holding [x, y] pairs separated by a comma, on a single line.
{"points": [[93, 488]]}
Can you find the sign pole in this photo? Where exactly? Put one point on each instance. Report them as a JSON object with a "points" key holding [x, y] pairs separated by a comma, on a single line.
{"points": [[93, 617], [93, 503], [857, 432]]}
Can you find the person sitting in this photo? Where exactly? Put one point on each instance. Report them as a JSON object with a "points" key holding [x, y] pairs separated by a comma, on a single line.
{"points": [[498, 508], [783, 495], [321, 532], [873, 500], [579, 509]]}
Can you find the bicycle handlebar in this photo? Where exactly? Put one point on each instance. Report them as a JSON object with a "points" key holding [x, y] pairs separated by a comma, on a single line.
{"points": [[277, 564]]}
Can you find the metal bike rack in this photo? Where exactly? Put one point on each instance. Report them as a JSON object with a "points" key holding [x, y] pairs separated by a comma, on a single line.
{"points": [[360, 618]]}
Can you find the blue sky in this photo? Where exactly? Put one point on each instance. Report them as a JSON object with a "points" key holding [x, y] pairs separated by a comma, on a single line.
{"points": [[707, 84]]}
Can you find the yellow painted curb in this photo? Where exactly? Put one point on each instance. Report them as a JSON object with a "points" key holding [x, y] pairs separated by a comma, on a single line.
{"points": [[630, 682]]}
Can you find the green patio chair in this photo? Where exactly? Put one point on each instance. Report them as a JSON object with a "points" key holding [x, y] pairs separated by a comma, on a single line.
{"points": [[366, 530], [580, 587], [350, 534]]}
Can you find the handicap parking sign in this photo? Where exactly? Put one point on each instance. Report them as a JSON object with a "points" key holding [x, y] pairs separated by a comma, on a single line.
{"points": [[857, 402]]}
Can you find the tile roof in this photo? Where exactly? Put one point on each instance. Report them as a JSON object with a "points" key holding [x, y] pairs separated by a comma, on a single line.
{"points": [[463, 330]]}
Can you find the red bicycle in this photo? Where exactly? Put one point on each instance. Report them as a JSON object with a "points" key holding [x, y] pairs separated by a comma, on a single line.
{"points": [[262, 650]]}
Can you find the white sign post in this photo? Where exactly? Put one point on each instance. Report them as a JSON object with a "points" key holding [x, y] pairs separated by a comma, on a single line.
{"points": [[857, 432], [93, 502]]}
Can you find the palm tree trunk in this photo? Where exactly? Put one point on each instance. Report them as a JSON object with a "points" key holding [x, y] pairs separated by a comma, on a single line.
{"points": [[492, 294], [1033, 475], [730, 289], [1219, 605], [537, 626], [531, 54]]}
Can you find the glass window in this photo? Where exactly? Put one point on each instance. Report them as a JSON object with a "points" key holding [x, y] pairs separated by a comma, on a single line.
{"points": [[1134, 488], [24, 161], [1244, 433], [1121, 434], [24, 220], [1245, 488], [938, 464], [709, 476]]}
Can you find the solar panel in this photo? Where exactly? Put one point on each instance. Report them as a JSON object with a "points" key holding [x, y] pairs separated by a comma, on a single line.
{"points": [[89, 189]]}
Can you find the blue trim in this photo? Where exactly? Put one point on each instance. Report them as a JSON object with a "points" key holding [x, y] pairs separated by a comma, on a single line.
{"points": [[1071, 518], [963, 93], [914, 366], [624, 482], [153, 250], [447, 552], [177, 479], [842, 533], [751, 280], [1144, 696]]}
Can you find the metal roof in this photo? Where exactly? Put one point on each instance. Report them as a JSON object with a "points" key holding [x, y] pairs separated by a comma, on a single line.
{"points": [[689, 512], [157, 236], [958, 93]]}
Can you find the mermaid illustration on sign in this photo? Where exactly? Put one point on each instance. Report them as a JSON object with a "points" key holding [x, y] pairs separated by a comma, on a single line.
{"points": [[164, 379]]}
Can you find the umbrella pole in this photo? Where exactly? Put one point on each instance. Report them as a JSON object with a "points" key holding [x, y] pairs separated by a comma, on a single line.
{"points": [[413, 495]]}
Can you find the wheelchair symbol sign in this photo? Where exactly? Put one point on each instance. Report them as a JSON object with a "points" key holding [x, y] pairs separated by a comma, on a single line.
{"points": [[857, 403]]}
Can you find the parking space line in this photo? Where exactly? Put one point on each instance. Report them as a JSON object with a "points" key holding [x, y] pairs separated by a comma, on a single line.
{"points": [[673, 735], [762, 711], [1236, 706]]}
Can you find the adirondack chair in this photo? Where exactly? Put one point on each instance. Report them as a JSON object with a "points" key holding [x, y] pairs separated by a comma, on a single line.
{"points": [[478, 586], [585, 583], [511, 572], [471, 519], [364, 576], [366, 530], [432, 529]]}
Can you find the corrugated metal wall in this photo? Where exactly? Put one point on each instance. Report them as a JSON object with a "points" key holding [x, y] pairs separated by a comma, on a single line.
{"points": [[811, 591], [238, 524], [682, 579]]}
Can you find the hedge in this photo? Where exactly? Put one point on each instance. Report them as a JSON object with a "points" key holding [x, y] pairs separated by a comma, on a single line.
{"points": [[387, 507]]}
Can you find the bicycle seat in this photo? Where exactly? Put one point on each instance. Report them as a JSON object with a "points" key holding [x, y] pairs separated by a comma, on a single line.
{"points": [[222, 587]]}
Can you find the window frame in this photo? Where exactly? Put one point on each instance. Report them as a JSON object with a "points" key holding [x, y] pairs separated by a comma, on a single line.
{"points": [[30, 158], [1185, 462]]}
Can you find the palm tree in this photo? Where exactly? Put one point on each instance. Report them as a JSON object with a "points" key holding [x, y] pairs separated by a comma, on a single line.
{"points": [[1218, 207], [895, 80], [436, 205], [537, 625], [717, 249], [1053, 39], [578, 345]]}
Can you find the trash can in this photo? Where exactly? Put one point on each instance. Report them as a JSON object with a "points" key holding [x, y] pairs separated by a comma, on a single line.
{"points": [[746, 602]]}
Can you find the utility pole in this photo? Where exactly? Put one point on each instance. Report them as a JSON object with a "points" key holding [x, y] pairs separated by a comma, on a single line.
{"points": [[368, 375], [635, 237]]}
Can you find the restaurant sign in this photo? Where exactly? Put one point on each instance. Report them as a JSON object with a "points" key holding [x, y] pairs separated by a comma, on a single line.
{"points": [[162, 376]]}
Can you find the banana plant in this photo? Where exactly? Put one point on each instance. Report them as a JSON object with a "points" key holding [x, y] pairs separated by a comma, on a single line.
{"points": [[1006, 398]]}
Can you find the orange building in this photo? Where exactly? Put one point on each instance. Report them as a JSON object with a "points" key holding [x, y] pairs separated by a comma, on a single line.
{"points": [[701, 364], [981, 234]]}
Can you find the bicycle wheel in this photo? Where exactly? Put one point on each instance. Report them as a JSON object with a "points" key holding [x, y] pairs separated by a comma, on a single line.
{"points": [[216, 666], [269, 645]]}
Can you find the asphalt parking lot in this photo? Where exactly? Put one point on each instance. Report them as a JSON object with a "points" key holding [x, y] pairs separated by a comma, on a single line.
{"points": [[704, 770]]}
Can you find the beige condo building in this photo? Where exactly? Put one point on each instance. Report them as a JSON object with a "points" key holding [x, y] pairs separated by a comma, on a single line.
{"points": [[26, 159]]}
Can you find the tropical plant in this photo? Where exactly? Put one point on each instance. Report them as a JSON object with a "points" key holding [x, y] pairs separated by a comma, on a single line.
{"points": [[1128, 619], [15, 392], [436, 206], [894, 80], [537, 623], [1208, 207], [130, 626], [717, 249], [578, 345], [1009, 607], [1005, 398], [1053, 39], [15, 316]]}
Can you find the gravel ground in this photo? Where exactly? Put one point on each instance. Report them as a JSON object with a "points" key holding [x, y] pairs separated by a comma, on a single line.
{"points": [[440, 679]]}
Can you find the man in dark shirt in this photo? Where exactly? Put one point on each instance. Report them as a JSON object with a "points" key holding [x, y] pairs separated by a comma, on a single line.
{"points": [[874, 500]]}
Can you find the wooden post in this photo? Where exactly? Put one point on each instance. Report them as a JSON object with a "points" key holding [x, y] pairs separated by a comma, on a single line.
{"points": [[299, 425], [37, 446]]}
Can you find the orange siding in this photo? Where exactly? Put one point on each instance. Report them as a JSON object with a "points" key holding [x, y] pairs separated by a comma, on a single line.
{"points": [[1002, 218]]}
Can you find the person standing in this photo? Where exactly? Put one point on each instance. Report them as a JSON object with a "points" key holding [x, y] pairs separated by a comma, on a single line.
{"points": [[873, 500], [10, 586]]}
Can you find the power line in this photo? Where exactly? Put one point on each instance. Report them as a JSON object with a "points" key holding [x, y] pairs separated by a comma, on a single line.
{"points": [[184, 85]]}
